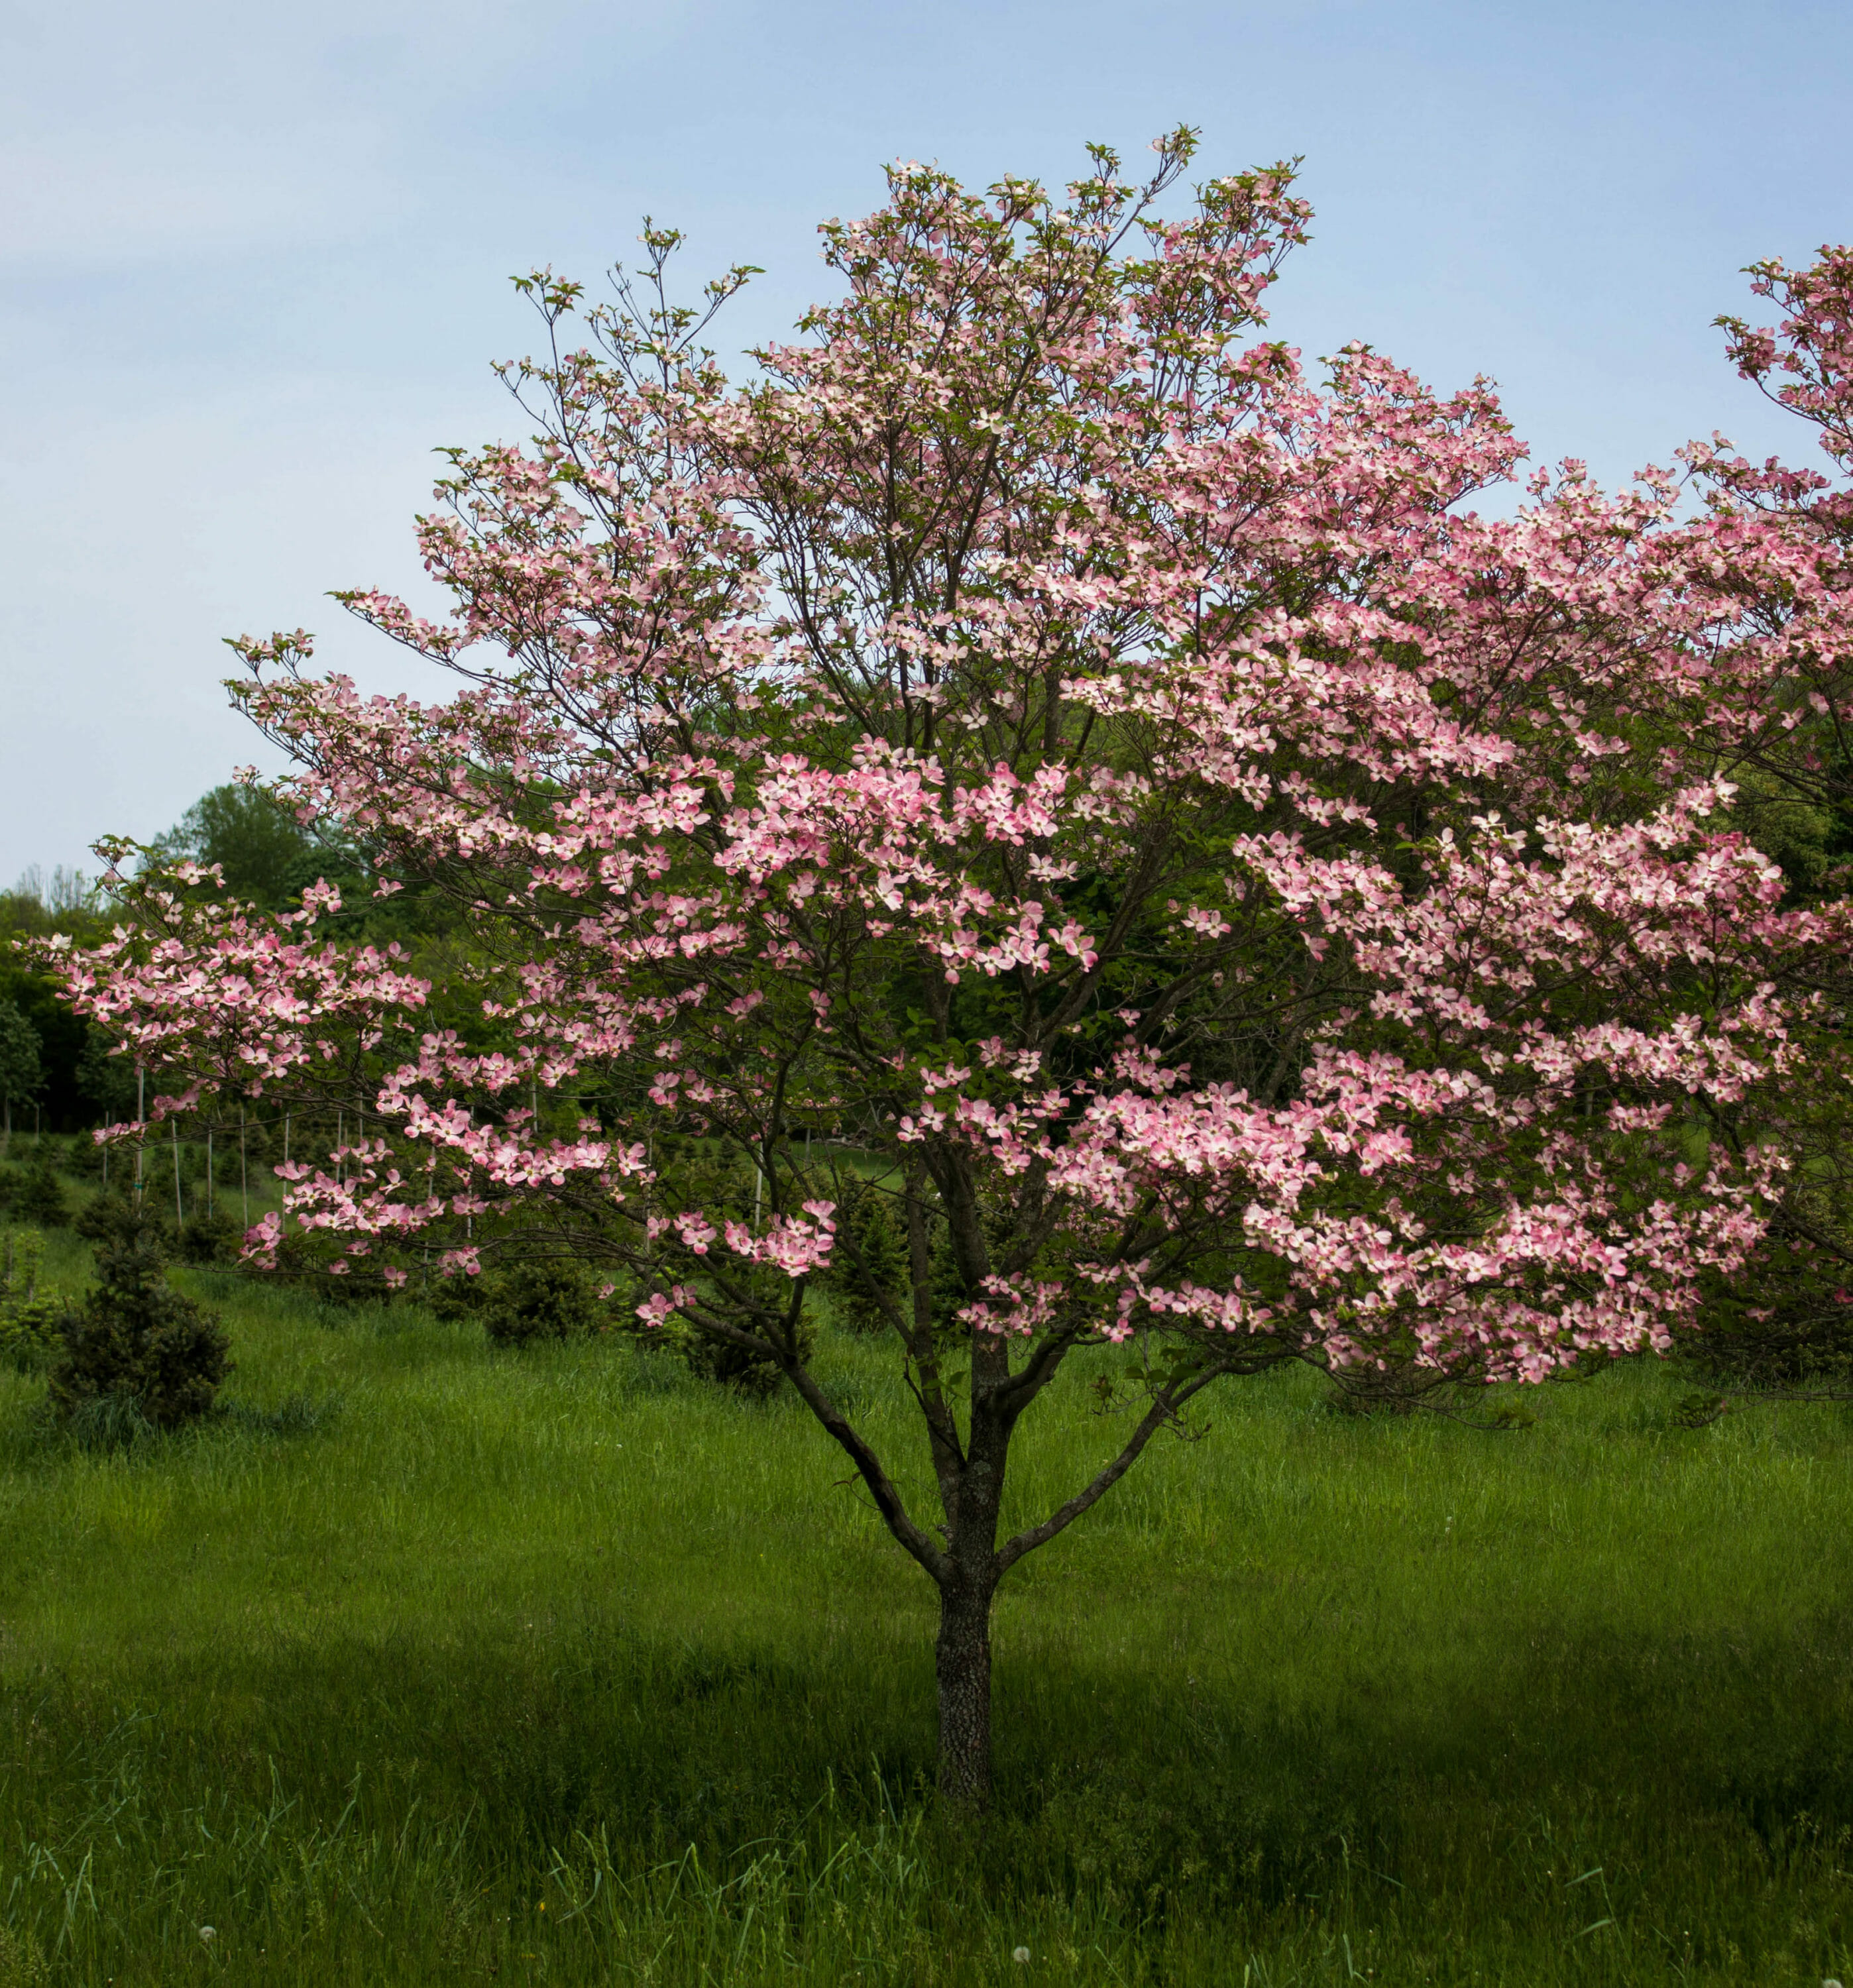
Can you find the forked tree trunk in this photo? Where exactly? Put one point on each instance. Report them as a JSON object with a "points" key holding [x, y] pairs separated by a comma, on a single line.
{"points": [[963, 1663]]}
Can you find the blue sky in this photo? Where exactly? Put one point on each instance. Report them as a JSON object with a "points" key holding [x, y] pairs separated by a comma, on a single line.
{"points": [[253, 260]]}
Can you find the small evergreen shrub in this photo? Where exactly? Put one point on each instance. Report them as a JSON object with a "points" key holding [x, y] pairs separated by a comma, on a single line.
{"points": [[97, 1220], [32, 1318], [733, 1367], [211, 1238], [458, 1300], [553, 1298], [871, 1250], [39, 1199], [136, 1341], [717, 1360], [230, 1167]]}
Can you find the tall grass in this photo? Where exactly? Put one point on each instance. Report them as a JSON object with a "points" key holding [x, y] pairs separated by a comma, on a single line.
{"points": [[433, 1662]]}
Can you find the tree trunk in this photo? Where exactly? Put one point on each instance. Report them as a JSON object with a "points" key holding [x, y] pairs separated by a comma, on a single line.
{"points": [[963, 1662]]}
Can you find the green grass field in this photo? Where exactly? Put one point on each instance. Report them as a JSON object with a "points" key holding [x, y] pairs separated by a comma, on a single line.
{"points": [[433, 1662]]}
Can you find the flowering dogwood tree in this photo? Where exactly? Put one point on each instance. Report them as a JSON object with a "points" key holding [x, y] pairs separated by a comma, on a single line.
{"points": [[1032, 753]]}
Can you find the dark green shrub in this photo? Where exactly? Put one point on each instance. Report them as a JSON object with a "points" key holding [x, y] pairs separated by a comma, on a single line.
{"points": [[304, 1260], [553, 1298], [135, 1339], [457, 1300], [211, 1238], [32, 1318], [98, 1219], [870, 1263], [734, 1367], [40, 1198], [711, 1175], [230, 1164]]}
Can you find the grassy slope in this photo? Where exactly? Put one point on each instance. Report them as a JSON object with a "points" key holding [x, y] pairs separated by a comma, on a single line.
{"points": [[556, 1666]]}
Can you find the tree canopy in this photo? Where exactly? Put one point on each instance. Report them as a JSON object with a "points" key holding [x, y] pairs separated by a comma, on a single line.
{"points": [[1034, 753], [263, 852]]}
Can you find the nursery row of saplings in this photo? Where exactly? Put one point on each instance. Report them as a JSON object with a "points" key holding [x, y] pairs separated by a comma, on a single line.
{"points": [[133, 1353]]}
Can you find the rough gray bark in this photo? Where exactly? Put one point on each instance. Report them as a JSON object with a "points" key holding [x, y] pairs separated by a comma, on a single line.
{"points": [[962, 1662]]}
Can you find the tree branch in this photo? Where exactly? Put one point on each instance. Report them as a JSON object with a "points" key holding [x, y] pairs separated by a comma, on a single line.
{"points": [[1165, 1406]]}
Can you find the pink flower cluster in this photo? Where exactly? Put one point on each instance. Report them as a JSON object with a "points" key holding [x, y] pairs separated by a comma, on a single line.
{"points": [[1037, 733]]}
